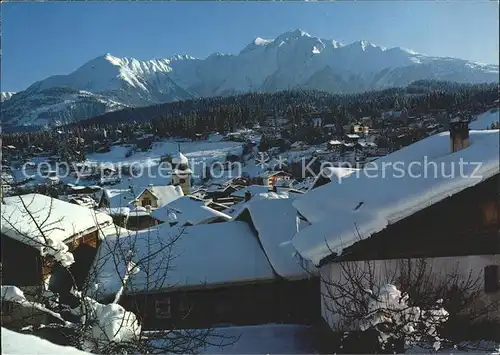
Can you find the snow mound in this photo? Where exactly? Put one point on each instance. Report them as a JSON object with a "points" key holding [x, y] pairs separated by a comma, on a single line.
{"points": [[22, 344]]}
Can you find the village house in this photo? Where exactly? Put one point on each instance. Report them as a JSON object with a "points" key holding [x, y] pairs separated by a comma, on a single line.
{"points": [[116, 198], [360, 129], [216, 191], [450, 220], [351, 138], [269, 178], [329, 129], [335, 146], [31, 222], [121, 205], [241, 272], [157, 196], [75, 190], [369, 148]]}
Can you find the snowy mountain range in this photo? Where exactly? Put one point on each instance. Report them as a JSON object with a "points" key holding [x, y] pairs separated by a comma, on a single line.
{"points": [[292, 60]]}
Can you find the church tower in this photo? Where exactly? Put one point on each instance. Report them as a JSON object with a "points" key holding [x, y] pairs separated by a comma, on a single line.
{"points": [[181, 174]]}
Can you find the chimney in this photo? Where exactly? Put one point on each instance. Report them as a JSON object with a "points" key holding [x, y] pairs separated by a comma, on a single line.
{"points": [[459, 134], [248, 196]]}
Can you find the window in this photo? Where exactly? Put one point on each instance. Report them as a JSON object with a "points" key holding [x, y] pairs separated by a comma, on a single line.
{"points": [[491, 279], [182, 181], [184, 306], [163, 309], [146, 202], [490, 213]]}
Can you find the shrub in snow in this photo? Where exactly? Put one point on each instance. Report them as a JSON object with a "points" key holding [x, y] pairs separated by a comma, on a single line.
{"points": [[397, 323]]}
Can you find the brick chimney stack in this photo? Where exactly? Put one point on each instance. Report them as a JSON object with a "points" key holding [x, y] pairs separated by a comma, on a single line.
{"points": [[248, 196], [459, 134]]}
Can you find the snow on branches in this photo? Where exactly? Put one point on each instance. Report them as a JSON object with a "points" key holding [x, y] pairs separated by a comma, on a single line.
{"points": [[391, 315], [105, 324]]}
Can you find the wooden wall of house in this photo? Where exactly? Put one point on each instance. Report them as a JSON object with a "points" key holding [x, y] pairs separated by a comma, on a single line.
{"points": [[84, 251], [21, 264], [296, 302], [141, 222], [466, 223], [390, 271]]}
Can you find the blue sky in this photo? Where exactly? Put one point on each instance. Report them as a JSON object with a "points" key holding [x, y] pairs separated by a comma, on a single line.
{"points": [[48, 38]]}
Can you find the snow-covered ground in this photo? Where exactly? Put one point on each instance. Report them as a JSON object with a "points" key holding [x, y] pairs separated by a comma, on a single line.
{"points": [[17, 343], [260, 339], [199, 153]]}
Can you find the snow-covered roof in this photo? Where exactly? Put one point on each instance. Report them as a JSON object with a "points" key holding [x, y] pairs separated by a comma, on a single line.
{"points": [[334, 142], [298, 143], [212, 254], [485, 120], [181, 172], [115, 211], [85, 201], [179, 158], [188, 210], [268, 173], [389, 195], [139, 211], [237, 208], [276, 223], [57, 220], [18, 343], [119, 197], [164, 194], [261, 189], [352, 136], [253, 189], [334, 173]]}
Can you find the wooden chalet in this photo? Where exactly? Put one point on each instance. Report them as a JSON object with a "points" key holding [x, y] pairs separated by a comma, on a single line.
{"points": [[451, 221], [269, 178], [29, 223]]}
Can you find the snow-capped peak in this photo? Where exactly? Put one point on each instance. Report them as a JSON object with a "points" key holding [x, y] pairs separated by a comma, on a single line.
{"points": [[294, 59], [112, 59], [261, 41], [6, 95], [336, 44], [365, 44], [181, 57], [256, 43], [295, 34]]}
